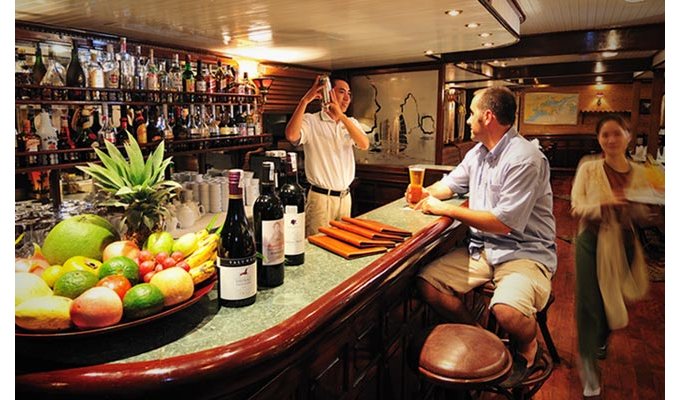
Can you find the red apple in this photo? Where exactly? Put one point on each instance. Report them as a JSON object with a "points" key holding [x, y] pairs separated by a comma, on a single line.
{"points": [[125, 248]]}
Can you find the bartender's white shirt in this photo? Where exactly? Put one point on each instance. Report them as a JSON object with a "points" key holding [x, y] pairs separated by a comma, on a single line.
{"points": [[329, 153]]}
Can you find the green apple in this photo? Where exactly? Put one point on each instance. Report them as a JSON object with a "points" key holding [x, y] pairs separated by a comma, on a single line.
{"points": [[186, 244], [159, 242]]}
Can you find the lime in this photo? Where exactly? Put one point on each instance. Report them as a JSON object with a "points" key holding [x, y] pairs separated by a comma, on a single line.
{"points": [[120, 265], [72, 284], [142, 300], [51, 274]]}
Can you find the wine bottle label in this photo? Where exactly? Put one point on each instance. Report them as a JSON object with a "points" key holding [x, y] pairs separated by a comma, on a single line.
{"points": [[294, 233], [237, 277], [200, 86], [272, 242], [112, 78]]}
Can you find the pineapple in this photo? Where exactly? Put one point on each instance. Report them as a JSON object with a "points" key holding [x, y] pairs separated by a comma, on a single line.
{"points": [[139, 187]]}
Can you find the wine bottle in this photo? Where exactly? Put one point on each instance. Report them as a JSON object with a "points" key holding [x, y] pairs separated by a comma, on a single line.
{"points": [[200, 83], [293, 199], [65, 142], [151, 73], [269, 240], [31, 142], [75, 76], [39, 68], [188, 80], [175, 75], [139, 127], [122, 132], [236, 262]]}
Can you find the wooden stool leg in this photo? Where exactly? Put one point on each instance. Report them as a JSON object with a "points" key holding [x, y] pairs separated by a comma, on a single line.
{"points": [[542, 319]]}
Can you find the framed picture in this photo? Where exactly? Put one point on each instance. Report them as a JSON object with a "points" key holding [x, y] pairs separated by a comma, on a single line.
{"points": [[546, 108], [645, 106]]}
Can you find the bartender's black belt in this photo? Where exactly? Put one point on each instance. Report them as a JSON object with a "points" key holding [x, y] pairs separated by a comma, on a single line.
{"points": [[329, 192]]}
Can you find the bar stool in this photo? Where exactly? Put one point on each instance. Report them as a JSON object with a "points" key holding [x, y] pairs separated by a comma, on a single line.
{"points": [[487, 291], [464, 358]]}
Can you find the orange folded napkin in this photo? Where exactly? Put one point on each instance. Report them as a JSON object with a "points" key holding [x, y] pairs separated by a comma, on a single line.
{"points": [[354, 239], [377, 226], [365, 232], [341, 248]]}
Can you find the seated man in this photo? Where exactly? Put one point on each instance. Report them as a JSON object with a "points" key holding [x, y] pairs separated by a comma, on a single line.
{"points": [[511, 223]]}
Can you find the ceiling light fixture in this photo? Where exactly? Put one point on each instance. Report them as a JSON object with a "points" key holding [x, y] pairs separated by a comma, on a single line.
{"points": [[487, 44], [472, 25], [485, 34], [609, 54], [453, 13], [598, 79]]}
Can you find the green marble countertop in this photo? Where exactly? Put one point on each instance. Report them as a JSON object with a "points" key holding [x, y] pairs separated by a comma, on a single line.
{"points": [[206, 325]]}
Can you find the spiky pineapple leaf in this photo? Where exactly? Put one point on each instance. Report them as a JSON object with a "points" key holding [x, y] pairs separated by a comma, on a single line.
{"points": [[113, 166], [134, 153], [120, 161]]}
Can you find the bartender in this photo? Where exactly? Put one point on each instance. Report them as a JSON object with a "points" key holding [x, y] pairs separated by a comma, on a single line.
{"points": [[328, 138]]}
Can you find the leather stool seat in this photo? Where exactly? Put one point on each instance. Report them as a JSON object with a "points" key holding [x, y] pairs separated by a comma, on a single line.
{"points": [[464, 357]]}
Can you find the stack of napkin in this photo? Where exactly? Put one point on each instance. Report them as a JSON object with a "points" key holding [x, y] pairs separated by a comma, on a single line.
{"points": [[357, 237]]}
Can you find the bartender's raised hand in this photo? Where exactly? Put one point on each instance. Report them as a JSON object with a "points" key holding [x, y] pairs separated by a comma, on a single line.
{"points": [[334, 109], [314, 92]]}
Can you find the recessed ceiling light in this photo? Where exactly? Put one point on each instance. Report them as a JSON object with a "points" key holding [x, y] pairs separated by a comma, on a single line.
{"points": [[487, 44], [472, 25], [429, 52], [453, 13], [485, 34], [609, 54]]}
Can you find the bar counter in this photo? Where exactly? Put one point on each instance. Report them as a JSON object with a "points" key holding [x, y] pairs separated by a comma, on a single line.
{"points": [[328, 330]]}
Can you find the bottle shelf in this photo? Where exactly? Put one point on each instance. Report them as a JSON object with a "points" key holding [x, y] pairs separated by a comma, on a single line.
{"points": [[64, 95], [174, 147]]}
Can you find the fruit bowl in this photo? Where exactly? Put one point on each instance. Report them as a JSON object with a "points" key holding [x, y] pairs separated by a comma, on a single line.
{"points": [[201, 290]]}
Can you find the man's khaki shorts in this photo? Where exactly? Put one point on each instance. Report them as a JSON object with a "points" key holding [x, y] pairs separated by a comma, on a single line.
{"points": [[522, 284]]}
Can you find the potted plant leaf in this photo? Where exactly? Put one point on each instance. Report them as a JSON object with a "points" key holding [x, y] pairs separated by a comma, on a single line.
{"points": [[139, 187]]}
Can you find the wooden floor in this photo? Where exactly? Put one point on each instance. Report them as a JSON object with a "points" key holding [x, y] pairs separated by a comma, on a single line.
{"points": [[635, 365]]}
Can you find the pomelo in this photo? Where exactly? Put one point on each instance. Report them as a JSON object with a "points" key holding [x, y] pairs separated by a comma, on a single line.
{"points": [[97, 307], [82, 235]]}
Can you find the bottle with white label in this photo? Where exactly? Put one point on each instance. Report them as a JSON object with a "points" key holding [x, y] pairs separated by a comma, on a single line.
{"points": [[269, 239], [236, 262], [293, 199]]}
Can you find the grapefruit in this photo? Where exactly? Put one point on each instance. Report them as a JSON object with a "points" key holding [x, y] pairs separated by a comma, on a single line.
{"points": [[82, 235], [97, 307], [175, 283]]}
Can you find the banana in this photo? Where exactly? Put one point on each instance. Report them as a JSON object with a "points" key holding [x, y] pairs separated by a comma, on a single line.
{"points": [[201, 234], [206, 251], [203, 272]]}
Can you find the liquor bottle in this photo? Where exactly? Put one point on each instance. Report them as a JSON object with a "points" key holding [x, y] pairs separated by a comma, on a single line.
{"points": [[220, 78], [269, 240], [175, 75], [168, 134], [214, 123], [31, 142], [139, 127], [223, 125], [188, 80], [200, 83], [163, 77], [38, 66], [123, 131], [65, 142], [96, 72], [111, 69], [127, 66], [236, 262], [151, 73], [202, 123], [154, 127], [48, 137], [231, 123], [75, 76], [209, 81], [182, 124], [107, 132], [250, 124], [88, 133], [293, 199], [140, 69]]}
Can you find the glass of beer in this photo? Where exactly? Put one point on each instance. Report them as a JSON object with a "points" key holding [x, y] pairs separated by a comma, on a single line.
{"points": [[416, 178]]}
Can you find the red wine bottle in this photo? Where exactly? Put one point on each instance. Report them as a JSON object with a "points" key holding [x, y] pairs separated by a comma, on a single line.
{"points": [[293, 199], [268, 216], [236, 263]]}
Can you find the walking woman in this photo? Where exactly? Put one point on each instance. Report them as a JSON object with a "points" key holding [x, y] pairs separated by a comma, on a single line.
{"points": [[610, 266]]}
